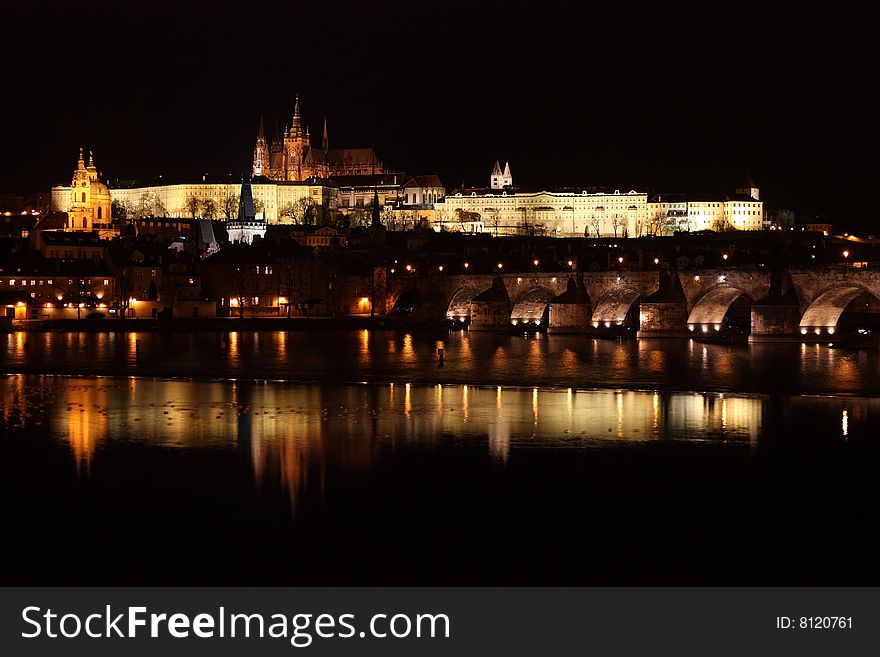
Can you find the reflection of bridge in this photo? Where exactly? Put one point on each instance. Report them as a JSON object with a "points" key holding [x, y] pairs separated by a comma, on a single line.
{"points": [[793, 303]]}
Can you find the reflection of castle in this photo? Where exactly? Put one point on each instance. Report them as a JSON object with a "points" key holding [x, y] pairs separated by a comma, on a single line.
{"points": [[292, 157]]}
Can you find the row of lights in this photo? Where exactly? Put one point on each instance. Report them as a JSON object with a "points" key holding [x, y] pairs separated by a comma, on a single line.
{"points": [[818, 330]]}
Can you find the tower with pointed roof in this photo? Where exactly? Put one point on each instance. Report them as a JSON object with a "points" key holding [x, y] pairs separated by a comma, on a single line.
{"points": [[261, 153], [496, 177], [506, 178], [291, 156], [750, 189]]}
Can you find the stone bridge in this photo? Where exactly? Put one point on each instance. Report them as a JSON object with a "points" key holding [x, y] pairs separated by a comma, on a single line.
{"points": [[801, 304], [504, 300]]}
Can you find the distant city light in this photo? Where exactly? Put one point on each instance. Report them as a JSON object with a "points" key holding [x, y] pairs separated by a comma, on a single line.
{"points": [[466, 265], [440, 268], [534, 262], [500, 265]]}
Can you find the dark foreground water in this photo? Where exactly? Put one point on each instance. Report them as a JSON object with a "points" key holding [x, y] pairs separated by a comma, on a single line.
{"points": [[117, 480]]}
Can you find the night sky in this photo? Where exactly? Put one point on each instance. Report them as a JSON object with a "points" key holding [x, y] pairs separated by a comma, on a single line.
{"points": [[681, 97]]}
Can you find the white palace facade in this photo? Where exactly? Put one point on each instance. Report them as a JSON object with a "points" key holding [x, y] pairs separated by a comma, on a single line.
{"points": [[276, 201], [502, 209]]}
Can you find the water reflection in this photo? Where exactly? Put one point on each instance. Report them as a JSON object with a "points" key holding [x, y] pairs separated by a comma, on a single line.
{"points": [[291, 436], [383, 356]]}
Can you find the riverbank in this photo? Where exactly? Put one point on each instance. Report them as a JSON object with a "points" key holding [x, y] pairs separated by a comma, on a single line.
{"points": [[221, 324]]}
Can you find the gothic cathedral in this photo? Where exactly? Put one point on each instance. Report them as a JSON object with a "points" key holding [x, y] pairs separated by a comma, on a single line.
{"points": [[292, 157]]}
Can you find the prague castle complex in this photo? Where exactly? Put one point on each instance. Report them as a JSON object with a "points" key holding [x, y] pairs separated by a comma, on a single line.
{"points": [[290, 174]]}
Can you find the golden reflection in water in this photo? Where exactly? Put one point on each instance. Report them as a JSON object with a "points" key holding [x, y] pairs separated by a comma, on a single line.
{"points": [[465, 349], [15, 402], [569, 361], [535, 405], [232, 348], [652, 359], [620, 357], [20, 343], [569, 402], [87, 424], [279, 339], [286, 432], [844, 423], [133, 347], [655, 413], [723, 362], [618, 398], [464, 402], [408, 352]]}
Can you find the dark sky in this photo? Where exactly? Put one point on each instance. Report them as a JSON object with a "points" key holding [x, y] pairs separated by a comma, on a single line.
{"points": [[678, 97]]}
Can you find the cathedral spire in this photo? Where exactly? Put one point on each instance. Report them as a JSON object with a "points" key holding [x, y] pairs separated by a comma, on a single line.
{"points": [[296, 123], [261, 135], [80, 164], [325, 142]]}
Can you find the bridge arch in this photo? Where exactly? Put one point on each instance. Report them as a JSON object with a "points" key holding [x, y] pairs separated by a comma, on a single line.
{"points": [[531, 307], [459, 307], [710, 310], [614, 306], [826, 308]]}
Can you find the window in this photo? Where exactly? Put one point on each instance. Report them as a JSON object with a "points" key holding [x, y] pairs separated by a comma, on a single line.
{"points": [[83, 197]]}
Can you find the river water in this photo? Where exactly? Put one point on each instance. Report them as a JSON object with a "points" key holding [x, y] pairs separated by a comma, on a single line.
{"points": [[184, 459]]}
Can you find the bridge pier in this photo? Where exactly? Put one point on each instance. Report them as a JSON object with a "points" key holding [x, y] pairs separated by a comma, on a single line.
{"points": [[775, 323], [570, 312], [490, 310], [663, 320], [570, 317]]}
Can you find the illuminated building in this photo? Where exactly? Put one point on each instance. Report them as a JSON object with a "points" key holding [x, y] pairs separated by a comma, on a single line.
{"points": [[506, 210], [86, 201], [292, 157]]}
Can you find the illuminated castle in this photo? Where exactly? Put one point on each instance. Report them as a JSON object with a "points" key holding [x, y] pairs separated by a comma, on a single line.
{"points": [[291, 155]]}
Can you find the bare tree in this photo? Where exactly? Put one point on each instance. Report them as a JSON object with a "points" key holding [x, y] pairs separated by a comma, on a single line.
{"points": [[656, 222], [192, 204], [242, 286], [209, 208], [334, 288], [616, 222], [304, 211], [228, 204], [295, 279], [260, 207], [596, 223]]}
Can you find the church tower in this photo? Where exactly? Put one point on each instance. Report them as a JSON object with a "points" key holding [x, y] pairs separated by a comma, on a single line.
{"points": [[750, 189], [261, 153], [325, 141], [90, 202], [506, 178], [496, 182], [295, 146]]}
